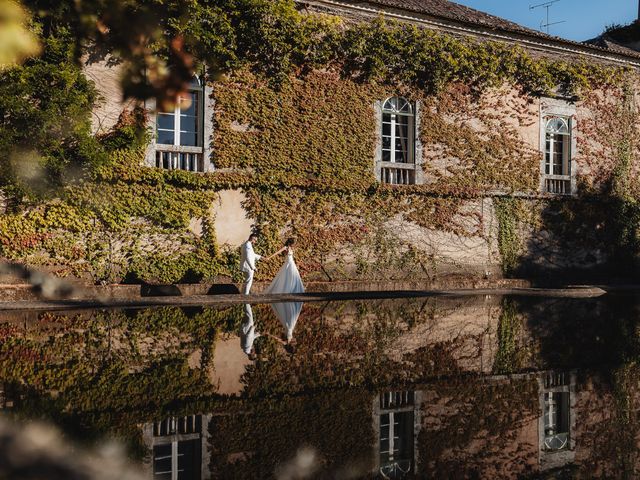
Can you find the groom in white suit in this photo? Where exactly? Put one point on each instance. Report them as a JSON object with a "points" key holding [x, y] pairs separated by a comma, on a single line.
{"points": [[248, 259], [248, 333]]}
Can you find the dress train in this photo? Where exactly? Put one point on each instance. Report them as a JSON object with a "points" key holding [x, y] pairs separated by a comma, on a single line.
{"points": [[287, 280]]}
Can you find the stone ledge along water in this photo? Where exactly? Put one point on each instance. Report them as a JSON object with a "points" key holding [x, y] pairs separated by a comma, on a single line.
{"points": [[229, 299]]}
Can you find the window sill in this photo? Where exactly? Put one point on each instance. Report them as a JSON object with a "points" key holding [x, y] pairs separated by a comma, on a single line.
{"points": [[398, 165], [392, 173], [179, 157], [557, 185], [162, 147]]}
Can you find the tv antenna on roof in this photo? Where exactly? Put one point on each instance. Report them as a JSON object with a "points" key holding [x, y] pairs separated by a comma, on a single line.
{"points": [[546, 5]]}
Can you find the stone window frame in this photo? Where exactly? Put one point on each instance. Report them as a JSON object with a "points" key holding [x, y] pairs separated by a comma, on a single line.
{"points": [[553, 184], [413, 170], [196, 159]]}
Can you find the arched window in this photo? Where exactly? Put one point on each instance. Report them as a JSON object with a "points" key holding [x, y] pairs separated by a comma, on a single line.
{"points": [[180, 125], [397, 420], [179, 131], [398, 141], [556, 415], [397, 130], [557, 165]]}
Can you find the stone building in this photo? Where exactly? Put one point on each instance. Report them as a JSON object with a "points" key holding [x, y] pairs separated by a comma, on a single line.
{"points": [[500, 179]]}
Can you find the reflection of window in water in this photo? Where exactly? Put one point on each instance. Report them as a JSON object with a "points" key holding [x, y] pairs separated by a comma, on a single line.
{"points": [[177, 448], [556, 420], [556, 424], [396, 434], [556, 411]]}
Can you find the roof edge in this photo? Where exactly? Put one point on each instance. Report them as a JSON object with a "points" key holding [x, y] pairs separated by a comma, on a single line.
{"points": [[542, 42]]}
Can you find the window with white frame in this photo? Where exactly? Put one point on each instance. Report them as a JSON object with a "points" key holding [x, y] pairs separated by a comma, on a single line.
{"points": [[557, 406], [556, 420], [557, 154], [177, 448], [398, 142], [396, 434], [179, 132], [176, 460]]}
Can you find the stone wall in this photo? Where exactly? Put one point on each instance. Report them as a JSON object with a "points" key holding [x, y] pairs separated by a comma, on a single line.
{"points": [[106, 74]]}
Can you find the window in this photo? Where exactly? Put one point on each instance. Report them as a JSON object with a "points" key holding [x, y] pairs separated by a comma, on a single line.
{"points": [[557, 155], [398, 134], [178, 426], [556, 424], [396, 434], [177, 460], [177, 448], [179, 132], [556, 395], [556, 420], [180, 126]]}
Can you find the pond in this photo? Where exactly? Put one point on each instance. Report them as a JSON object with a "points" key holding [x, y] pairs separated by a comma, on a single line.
{"points": [[469, 387]]}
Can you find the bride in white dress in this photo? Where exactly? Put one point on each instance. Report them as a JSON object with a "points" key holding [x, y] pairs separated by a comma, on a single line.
{"points": [[287, 280]]}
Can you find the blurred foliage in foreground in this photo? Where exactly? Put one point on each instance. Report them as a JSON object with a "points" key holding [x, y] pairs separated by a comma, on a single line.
{"points": [[46, 102], [16, 41]]}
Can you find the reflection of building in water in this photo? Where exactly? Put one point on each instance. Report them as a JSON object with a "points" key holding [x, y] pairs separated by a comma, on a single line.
{"points": [[556, 425], [506, 437], [178, 447], [482, 427], [397, 417]]}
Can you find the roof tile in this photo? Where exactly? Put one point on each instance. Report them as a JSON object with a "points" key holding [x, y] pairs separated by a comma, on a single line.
{"points": [[446, 9]]}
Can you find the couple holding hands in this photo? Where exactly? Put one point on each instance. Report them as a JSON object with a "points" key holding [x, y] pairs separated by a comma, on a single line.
{"points": [[287, 280]]}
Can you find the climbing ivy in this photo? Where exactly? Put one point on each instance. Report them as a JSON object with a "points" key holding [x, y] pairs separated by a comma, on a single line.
{"points": [[399, 53], [45, 134], [509, 242], [510, 354], [299, 138]]}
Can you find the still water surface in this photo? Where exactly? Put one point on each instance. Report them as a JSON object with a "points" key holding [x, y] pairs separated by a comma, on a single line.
{"points": [[474, 387]]}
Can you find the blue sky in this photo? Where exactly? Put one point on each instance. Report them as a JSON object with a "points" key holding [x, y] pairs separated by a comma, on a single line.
{"points": [[584, 19]]}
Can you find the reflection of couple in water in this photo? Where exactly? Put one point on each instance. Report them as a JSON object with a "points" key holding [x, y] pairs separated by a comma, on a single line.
{"points": [[287, 313], [287, 280]]}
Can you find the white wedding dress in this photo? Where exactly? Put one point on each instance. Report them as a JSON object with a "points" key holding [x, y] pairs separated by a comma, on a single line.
{"points": [[288, 314], [287, 280]]}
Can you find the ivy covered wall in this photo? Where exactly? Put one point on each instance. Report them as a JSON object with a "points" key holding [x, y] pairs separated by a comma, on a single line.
{"points": [[481, 203], [301, 147]]}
